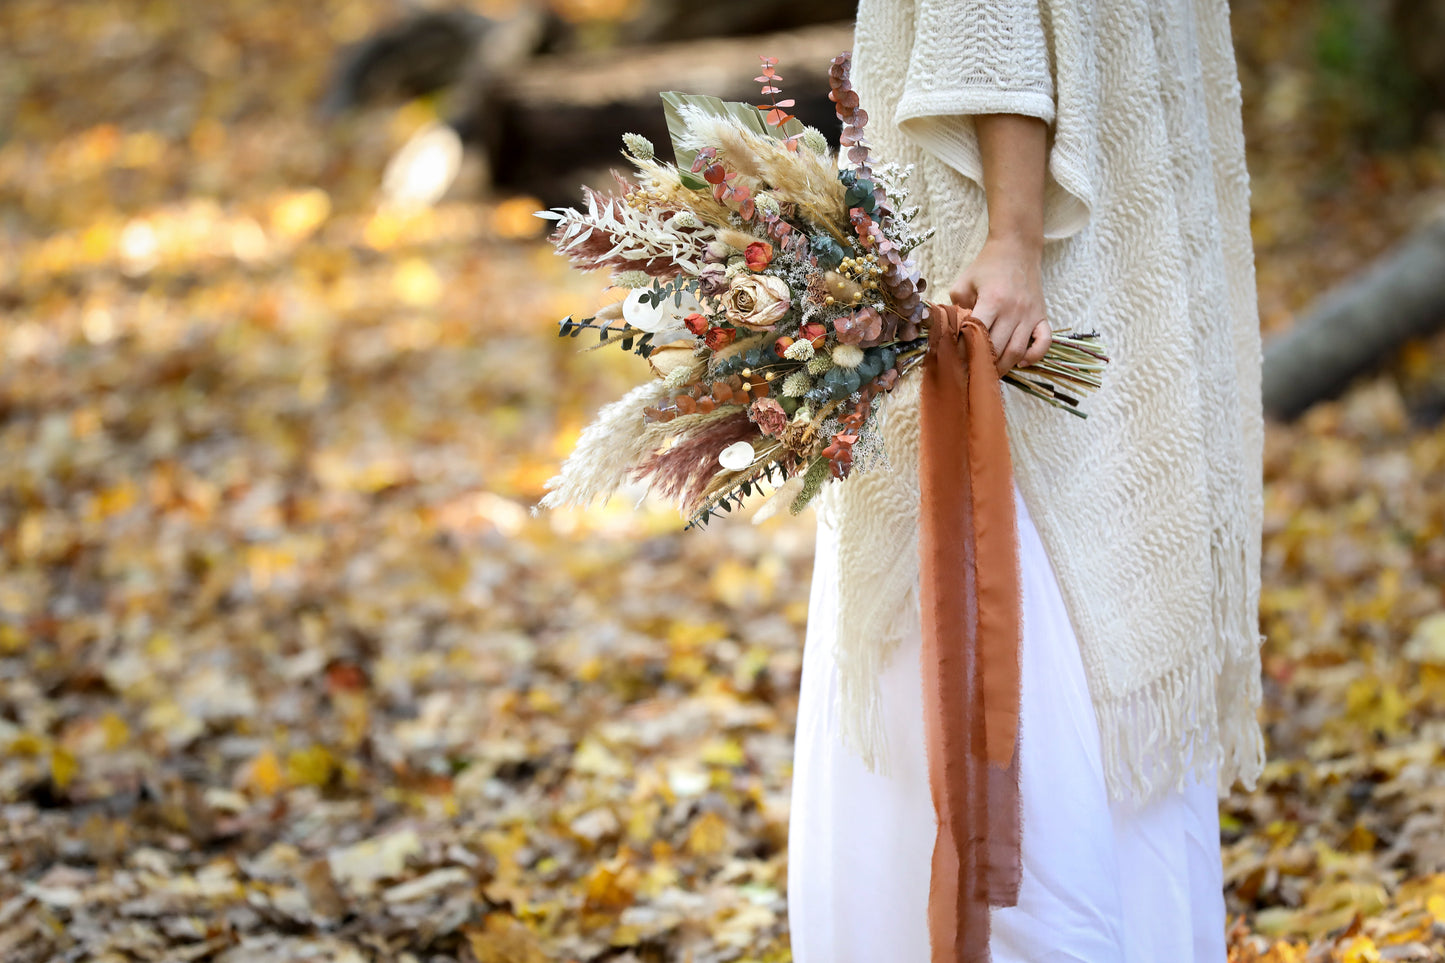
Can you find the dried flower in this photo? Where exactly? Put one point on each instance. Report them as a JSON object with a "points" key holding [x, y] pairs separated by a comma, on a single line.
{"points": [[680, 376], [804, 413], [756, 301], [768, 415], [695, 323], [781, 345], [863, 325], [843, 289], [716, 251], [758, 255], [801, 350], [797, 384], [639, 146], [737, 456], [814, 140], [717, 338], [847, 356], [819, 363], [815, 333], [655, 318], [686, 219], [631, 279], [767, 203], [736, 240], [713, 280]]}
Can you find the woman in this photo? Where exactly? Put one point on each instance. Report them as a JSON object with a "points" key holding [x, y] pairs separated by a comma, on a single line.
{"points": [[1082, 162]]}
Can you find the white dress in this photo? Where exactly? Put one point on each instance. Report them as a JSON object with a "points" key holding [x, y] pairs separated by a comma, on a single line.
{"points": [[1101, 883]]}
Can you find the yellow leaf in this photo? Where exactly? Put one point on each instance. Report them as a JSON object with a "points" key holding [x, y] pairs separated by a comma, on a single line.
{"points": [[416, 283], [708, 836], [1285, 953], [1427, 642], [1361, 949], [503, 939], [723, 752], [610, 888], [297, 215], [312, 766], [263, 774], [117, 733], [63, 767]]}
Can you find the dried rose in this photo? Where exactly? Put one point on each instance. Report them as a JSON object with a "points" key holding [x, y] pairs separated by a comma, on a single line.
{"points": [[712, 280], [756, 301], [716, 338], [695, 323], [769, 416], [759, 255], [781, 345], [815, 333]]}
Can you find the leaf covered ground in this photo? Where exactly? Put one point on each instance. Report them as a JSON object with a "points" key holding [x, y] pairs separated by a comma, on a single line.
{"points": [[287, 670]]}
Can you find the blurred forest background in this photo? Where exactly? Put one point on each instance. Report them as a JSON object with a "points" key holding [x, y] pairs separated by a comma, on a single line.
{"points": [[288, 671]]}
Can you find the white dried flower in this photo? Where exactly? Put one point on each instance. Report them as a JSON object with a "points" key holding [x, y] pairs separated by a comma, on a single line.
{"points": [[686, 219], [814, 140], [767, 203], [848, 356], [797, 384], [800, 350], [639, 146], [736, 266], [631, 279], [737, 456], [680, 376], [819, 364], [804, 413]]}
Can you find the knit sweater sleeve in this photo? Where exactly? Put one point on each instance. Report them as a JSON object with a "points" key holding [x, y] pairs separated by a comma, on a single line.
{"points": [[1001, 56]]}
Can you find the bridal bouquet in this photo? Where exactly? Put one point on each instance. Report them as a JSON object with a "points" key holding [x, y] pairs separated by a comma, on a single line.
{"points": [[770, 289]]}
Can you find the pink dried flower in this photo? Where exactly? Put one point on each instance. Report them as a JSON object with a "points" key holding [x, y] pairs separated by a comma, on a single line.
{"points": [[769, 416]]}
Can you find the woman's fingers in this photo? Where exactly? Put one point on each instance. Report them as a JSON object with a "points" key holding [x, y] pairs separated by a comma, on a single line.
{"points": [[1013, 352], [964, 292], [1039, 340]]}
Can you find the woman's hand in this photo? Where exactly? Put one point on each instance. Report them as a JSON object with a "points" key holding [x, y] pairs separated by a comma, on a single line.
{"points": [[1003, 288]]}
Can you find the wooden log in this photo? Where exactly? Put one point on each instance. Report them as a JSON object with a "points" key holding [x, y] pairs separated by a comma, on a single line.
{"points": [[1399, 297], [553, 123]]}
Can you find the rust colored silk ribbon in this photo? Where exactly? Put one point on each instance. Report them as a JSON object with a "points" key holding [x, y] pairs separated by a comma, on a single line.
{"points": [[971, 611]]}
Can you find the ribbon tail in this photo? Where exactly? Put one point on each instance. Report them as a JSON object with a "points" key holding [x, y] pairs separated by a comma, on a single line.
{"points": [[971, 629]]}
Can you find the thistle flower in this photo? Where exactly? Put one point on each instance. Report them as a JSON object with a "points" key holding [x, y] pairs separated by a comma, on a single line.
{"points": [[639, 146], [819, 364], [847, 356], [797, 384], [801, 350]]}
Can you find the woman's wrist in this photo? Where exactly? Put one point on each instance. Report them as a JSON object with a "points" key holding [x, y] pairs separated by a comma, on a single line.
{"points": [[1020, 242]]}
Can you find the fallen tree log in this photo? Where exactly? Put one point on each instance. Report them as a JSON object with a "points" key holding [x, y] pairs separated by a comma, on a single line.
{"points": [[1399, 297], [560, 116]]}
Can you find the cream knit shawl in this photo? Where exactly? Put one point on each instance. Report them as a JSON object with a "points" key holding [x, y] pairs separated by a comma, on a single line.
{"points": [[1150, 510]]}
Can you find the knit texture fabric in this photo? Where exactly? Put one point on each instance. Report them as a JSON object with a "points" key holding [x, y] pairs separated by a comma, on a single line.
{"points": [[1151, 508]]}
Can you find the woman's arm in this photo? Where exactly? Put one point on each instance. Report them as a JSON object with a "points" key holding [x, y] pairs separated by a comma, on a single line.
{"points": [[1004, 286]]}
